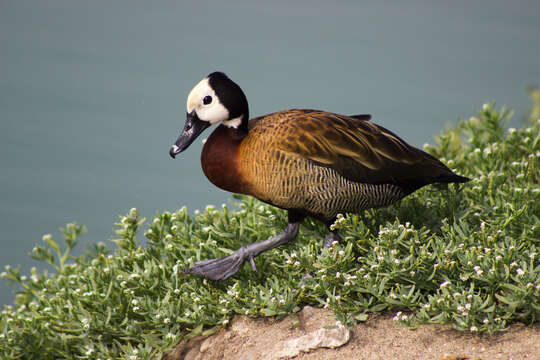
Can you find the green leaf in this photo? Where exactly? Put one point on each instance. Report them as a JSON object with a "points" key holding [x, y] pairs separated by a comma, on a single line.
{"points": [[361, 317]]}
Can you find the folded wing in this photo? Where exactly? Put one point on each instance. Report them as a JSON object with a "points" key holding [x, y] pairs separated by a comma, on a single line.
{"points": [[362, 151]]}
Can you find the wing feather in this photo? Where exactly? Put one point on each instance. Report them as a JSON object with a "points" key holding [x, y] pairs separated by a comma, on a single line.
{"points": [[357, 149]]}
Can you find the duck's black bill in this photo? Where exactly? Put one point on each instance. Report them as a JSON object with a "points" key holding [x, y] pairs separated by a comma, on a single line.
{"points": [[193, 128]]}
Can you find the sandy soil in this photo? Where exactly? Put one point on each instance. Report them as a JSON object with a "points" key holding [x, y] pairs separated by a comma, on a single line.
{"points": [[377, 338]]}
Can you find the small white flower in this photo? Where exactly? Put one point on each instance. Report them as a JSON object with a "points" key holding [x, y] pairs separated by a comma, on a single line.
{"points": [[520, 271], [445, 284], [478, 270], [166, 321], [86, 323], [474, 328]]}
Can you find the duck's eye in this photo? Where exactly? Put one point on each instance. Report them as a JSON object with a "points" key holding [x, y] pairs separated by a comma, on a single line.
{"points": [[207, 100]]}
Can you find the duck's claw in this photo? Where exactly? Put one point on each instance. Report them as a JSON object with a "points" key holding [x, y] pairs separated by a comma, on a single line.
{"points": [[222, 268]]}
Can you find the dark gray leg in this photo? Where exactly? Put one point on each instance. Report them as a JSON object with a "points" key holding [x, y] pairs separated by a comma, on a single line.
{"points": [[330, 238], [222, 268], [328, 241]]}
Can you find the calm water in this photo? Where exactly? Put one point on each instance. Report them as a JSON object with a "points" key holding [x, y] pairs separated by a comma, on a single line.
{"points": [[92, 93]]}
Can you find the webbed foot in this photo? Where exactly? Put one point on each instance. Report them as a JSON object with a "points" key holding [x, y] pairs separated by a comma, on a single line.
{"points": [[224, 267]]}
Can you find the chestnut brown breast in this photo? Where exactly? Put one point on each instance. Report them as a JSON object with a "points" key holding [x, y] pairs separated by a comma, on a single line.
{"points": [[219, 160]]}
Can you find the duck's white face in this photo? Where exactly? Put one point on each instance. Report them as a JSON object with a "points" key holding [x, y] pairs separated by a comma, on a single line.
{"points": [[203, 100]]}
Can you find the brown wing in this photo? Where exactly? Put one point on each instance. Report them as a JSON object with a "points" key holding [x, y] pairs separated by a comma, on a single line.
{"points": [[358, 150], [366, 117]]}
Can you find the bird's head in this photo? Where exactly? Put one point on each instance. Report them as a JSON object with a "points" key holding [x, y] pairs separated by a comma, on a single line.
{"points": [[215, 99]]}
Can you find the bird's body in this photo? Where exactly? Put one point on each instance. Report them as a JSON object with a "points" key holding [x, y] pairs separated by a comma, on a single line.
{"points": [[309, 162], [319, 163]]}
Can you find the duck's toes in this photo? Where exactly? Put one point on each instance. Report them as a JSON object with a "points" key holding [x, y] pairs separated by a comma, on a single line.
{"points": [[218, 269]]}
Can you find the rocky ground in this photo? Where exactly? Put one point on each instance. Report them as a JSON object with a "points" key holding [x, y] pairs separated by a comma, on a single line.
{"points": [[313, 334]]}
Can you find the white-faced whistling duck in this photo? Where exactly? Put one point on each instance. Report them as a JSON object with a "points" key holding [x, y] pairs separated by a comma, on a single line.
{"points": [[308, 162]]}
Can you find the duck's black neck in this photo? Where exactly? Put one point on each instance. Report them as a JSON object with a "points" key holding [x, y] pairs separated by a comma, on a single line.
{"points": [[243, 127]]}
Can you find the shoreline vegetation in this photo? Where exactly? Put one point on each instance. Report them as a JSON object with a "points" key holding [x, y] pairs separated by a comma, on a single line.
{"points": [[466, 255]]}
